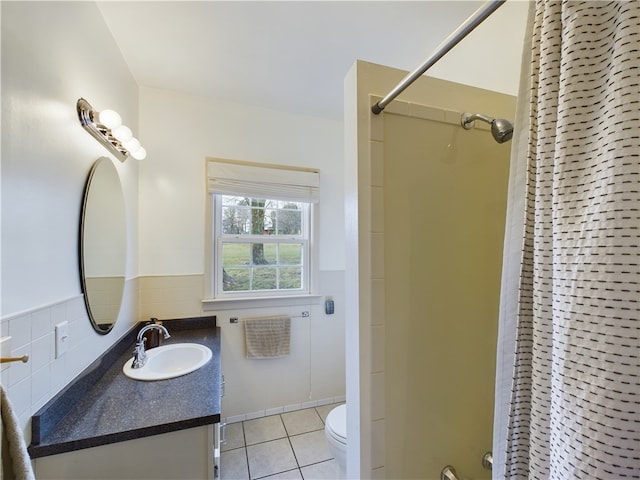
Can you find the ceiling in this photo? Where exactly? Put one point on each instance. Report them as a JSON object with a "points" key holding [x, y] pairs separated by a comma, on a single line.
{"points": [[293, 56]]}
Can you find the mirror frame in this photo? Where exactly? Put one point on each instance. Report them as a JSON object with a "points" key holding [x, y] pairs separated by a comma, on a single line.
{"points": [[114, 205]]}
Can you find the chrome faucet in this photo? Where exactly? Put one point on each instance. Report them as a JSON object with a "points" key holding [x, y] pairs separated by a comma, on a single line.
{"points": [[139, 353]]}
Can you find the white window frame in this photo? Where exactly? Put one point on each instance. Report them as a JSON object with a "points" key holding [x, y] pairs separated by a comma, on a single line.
{"points": [[215, 297]]}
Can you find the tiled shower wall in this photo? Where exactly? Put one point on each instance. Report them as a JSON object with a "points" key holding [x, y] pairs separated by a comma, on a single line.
{"points": [[377, 320]]}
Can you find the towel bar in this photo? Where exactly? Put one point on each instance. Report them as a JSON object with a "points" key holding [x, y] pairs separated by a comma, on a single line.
{"points": [[23, 359]]}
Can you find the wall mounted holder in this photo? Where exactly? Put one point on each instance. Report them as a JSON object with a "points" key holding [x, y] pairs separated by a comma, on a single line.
{"points": [[106, 127]]}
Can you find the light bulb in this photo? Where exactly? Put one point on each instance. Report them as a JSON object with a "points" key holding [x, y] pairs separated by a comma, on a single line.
{"points": [[122, 133], [132, 145], [110, 119], [139, 154]]}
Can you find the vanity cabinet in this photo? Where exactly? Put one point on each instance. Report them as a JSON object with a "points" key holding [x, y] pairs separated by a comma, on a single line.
{"points": [[183, 454]]}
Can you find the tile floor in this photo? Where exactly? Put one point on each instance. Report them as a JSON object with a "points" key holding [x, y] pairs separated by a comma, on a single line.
{"points": [[288, 446]]}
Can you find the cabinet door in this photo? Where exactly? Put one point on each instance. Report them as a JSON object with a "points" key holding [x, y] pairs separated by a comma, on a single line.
{"points": [[143, 458]]}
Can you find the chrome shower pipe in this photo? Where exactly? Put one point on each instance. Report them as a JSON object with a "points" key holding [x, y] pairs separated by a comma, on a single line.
{"points": [[468, 118], [501, 129], [451, 41]]}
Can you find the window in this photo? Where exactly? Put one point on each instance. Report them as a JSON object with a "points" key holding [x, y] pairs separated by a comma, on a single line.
{"points": [[262, 245], [262, 226]]}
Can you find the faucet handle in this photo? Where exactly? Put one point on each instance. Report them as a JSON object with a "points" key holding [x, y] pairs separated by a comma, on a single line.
{"points": [[139, 355], [136, 363]]}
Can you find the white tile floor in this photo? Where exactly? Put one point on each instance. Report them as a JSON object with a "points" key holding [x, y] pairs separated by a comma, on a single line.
{"points": [[287, 446]]}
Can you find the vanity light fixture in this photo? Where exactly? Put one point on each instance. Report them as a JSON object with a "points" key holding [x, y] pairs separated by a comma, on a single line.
{"points": [[106, 127]]}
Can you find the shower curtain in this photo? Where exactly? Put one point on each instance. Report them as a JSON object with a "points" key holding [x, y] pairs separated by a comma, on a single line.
{"points": [[568, 373]]}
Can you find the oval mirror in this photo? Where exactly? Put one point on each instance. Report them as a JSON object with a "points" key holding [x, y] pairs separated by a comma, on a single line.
{"points": [[103, 245]]}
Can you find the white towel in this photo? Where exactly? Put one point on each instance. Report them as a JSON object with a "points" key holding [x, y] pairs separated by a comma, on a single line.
{"points": [[16, 463], [268, 337]]}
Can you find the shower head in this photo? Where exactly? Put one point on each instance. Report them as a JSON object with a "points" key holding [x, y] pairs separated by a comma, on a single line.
{"points": [[501, 129]]}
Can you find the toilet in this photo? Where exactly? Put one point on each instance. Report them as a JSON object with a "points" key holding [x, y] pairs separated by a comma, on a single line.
{"points": [[335, 429]]}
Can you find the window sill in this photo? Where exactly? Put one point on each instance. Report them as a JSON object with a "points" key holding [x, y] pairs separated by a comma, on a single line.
{"points": [[211, 304]]}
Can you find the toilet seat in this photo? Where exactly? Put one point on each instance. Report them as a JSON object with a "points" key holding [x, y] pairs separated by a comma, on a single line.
{"points": [[336, 424]]}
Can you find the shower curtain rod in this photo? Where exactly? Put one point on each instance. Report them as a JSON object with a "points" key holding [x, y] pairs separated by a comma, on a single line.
{"points": [[451, 41]]}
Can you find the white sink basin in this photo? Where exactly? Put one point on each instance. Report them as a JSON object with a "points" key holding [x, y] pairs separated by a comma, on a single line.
{"points": [[169, 361]]}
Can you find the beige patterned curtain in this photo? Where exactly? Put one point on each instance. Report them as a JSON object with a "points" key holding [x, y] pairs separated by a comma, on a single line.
{"points": [[574, 411]]}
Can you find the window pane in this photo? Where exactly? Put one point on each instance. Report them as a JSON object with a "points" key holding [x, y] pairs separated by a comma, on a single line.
{"points": [[265, 278], [290, 277], [258, 254], [271, 253], [236, 220], [234, 254], [255, 216], [290, 254], [252, 265], [289, 220], [235, 279]]}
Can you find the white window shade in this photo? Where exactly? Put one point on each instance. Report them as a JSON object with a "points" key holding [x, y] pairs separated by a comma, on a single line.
{"points": [[230, 177]]}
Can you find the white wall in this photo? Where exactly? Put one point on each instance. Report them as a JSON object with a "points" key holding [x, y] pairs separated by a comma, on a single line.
{"points": [[180, 131], [46, 155], [52, 54], [490, 56]]}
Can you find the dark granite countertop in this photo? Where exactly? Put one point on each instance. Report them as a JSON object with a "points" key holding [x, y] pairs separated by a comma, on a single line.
{"points": [[103, 406]]}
